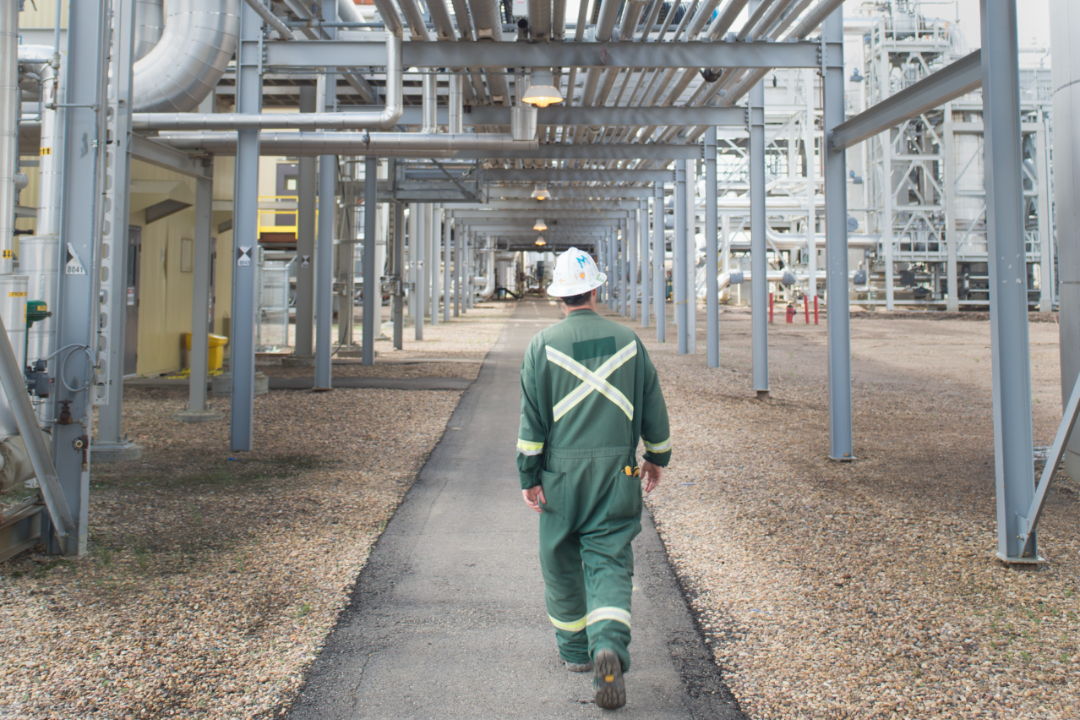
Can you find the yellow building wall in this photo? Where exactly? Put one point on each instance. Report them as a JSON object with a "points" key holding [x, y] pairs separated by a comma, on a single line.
{"points": [[44, 16]]}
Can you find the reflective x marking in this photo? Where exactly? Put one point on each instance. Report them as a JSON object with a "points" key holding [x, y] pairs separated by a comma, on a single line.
{"points": [[593, 381]]}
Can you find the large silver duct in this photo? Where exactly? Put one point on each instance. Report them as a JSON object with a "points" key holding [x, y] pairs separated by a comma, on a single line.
{"points": [[184, 67], [349, 143], [385, 118], [1065, 70], [540, 19], [149, 25], [488, 22]]}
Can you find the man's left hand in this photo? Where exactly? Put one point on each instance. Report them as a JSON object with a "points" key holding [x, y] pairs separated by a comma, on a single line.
{"points": [[534, 496]]}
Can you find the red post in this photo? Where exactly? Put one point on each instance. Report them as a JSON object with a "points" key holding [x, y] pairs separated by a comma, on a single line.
{"points": [[806, 307], [815, 310], [770, 308]]}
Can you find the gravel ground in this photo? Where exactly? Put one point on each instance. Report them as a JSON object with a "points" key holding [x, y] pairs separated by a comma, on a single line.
{"points": [[214, 578], [866, 589], [382, 370]]}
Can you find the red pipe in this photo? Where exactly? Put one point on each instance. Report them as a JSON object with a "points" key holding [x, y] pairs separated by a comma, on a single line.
{"points": [[770, 308], [806, 307], [815, 310]]}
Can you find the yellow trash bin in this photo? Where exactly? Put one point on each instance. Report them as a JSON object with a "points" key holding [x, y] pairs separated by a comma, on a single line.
{"points": [[216, 352]]}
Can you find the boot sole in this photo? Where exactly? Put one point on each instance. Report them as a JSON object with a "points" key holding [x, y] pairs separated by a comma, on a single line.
{"points": [[610, 689]]}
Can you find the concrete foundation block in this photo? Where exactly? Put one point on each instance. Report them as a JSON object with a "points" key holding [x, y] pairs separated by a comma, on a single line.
{"points": [[222, 384]]}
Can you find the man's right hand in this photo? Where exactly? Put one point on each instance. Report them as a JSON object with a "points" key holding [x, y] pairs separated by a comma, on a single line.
{"points": [[651, 475]]}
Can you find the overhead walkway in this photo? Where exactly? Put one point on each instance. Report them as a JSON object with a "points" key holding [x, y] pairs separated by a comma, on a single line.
{"points": [[447, 619]]}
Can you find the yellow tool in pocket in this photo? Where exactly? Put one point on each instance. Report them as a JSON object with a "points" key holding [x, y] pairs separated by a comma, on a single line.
{"points": [[633, 472]]}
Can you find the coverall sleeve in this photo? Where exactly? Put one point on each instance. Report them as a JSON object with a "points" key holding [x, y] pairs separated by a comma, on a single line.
{"points": [[531, 433], [655, 431]]}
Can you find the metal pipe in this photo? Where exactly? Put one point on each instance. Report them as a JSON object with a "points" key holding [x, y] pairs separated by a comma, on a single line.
{"points": [[659, 258], [447, 291], [397, 269], [9, 126], [429, 108], [488, 21], [414, 16], [200, 39], [345, 143], [725, 19], [540, 19], [678, 246], [271, 19], [456, 124], [149, 25], [417, 253], [632, 246], [307, 178], [630, 17], [1065, 68], [758, 224], [434, 218], [385, 118], [644, 261], [200, 300]]}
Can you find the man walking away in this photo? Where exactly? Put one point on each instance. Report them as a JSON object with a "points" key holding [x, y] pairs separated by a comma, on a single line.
{"points": [[588, 393]]}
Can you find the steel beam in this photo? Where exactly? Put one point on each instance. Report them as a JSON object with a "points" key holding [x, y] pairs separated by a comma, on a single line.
{"points": [[560, 192], [949, 83], [622, 151], [1013, 438], [168, 158], [836, 248], [712, 292], [607, 176], [501, 55]]}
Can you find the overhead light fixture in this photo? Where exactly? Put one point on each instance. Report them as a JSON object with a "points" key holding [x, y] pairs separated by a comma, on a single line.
{"points": [[540, 225], [540, 192], [541, 241], [542, 91]]}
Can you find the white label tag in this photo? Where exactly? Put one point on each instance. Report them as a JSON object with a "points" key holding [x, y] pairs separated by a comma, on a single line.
{"points": [[305, 261], [74, 266], [243, 258]]}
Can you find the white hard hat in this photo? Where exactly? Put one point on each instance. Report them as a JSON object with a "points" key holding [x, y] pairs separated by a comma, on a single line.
{"points": [[575, 274]]}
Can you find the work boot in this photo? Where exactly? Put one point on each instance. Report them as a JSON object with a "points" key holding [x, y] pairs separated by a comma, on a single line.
{"points": [[578, 667], [610, 689]]}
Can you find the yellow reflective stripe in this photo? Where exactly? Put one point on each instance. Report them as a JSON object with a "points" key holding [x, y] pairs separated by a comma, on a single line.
{"points": [[572, 626], [608, 613], [660, 447], [592, 381], [529, 448]]}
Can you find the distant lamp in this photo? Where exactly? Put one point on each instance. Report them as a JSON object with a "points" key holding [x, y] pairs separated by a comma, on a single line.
{"points": [[857, 76], [540, 192], [541, 242], [542, 91], [540, 225]]}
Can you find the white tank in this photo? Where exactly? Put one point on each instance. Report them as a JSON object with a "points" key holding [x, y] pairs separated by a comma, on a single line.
{"points": [[13, 312]]}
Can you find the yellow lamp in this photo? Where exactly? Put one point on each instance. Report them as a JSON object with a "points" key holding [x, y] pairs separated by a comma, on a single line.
{"points": [[540, 225], [542, 91]]}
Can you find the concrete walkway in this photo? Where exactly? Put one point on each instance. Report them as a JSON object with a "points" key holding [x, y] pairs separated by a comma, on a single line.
{"points": [[447, 619]]}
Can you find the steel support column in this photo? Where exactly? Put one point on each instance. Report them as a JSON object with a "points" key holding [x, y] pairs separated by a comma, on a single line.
{"points": [[712, 263], [621, 248], [1014, 471], [305, 242], [447, 287], [109, 442], [759, 266], [678, 246], [659, 256], [324, 274], [196, 410], [245, 235], [631, 243], [398, 272], [417, 239], [691, 257], [76, 312], [435, 221], [836, 250], [459, 242], [645, 261], [372, 288]]}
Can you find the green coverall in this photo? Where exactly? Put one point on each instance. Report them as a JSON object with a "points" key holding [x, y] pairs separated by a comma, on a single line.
{"points": [[588, 393]]}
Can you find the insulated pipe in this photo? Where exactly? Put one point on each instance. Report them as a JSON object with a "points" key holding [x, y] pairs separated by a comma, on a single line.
{"points": [[387, 117], [149, 25], [429, 108], [345, 143], [271, 19], [387, 12], [440, 18], [9, 126], [1065, 29], [540, 19], [630, 17], [415, 19], [184, 67], [486, 16], [456, 124]]}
